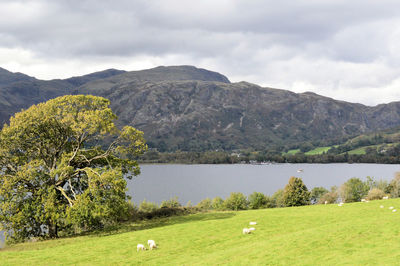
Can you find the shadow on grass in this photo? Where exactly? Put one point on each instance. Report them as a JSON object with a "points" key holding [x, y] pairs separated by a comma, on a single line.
{"points": [[160, 222]]}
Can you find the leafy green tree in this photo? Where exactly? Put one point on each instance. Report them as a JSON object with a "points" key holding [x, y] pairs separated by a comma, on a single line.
{"points": [[296, 193], [236, 201], [353, 190], [257, 200], [316, 194], [147, 206], [171, 203], [277, 199], [54, 174], [205, 204], [217, 203]]}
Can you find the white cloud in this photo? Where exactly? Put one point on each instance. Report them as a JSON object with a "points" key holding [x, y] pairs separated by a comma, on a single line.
{"points": [[338, 48]]}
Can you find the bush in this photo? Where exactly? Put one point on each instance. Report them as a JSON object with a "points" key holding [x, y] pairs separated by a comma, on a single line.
{"points": [[146, 206], [329, 197], [277, 199], [171, 203], [257, 200], [296, 193], [217, 203], [375, 194], [316, 194], [236, 201], [394, 186], [205, 204], [353, 190]]}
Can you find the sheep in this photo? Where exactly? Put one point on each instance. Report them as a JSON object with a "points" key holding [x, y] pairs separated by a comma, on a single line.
{"points": [[253, 223], [140, 247], [385, 197], [150, 241], [246, 231], [391, 208], [152, 245], [381, 206], [363, 200], [326, 202], [340, 204], [252, 229], [394, 210]]}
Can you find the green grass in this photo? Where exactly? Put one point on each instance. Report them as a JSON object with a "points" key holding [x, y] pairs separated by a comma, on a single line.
{"points": [[292, 151], [317, 151], [354, 234]]}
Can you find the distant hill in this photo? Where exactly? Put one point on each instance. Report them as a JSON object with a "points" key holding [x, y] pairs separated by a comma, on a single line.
{"points": [[187, 108]]}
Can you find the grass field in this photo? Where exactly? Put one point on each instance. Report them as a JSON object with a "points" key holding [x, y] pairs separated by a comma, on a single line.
{"points": [[319, 150], [354, 234]]}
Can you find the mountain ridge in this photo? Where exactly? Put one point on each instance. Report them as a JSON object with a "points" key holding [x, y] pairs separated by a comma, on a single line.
{"points": [[189, 108]]}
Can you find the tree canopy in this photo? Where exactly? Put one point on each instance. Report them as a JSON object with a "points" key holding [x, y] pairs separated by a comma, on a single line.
{"points": [[62, 167], [296, 193]]}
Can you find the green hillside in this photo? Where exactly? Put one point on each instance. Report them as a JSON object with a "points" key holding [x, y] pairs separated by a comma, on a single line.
{"points": [[354, 234]]}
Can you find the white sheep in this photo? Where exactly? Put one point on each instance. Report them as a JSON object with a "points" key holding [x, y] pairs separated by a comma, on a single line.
{"points": [[381, 207], [253, 223], [326, 202], [363, 200], [246, 231], [340, 204], [140, 247], [391, 208], [152, 245], [385, 197], [150, 241], [252, 229], [394, 210]]}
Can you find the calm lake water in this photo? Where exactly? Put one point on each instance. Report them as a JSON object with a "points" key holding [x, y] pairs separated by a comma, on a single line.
{"points": [[196, 182]]}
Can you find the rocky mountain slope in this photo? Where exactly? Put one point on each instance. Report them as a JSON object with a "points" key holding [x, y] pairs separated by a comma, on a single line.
{"points": [[183, 107]]}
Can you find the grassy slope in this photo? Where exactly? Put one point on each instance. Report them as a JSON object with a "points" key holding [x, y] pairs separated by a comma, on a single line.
{"points": [[358, 233]]}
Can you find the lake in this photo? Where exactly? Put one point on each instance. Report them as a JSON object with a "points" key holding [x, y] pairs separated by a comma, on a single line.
{"points": [[159, 182]]}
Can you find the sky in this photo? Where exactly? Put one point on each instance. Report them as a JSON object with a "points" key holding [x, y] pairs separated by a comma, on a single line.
{"points": [[347, 50]]}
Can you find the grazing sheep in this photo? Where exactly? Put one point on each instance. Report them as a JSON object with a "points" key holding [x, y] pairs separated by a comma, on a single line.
{"points": [[246, 231], [340, 204], [385, 197], [140, 247], [363, 200], [253, 223], [381, 207], [152, 245], [150, 241], [252, 229], [391, 208], [394, 210], [326, 202]]}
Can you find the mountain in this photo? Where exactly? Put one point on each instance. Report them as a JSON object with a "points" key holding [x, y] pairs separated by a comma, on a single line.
{"points": [[183, 107]]}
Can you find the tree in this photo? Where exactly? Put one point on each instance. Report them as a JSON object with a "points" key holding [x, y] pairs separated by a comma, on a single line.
{"points": [[353, 190], [257, 200], [296, 193], [236, 201], [56, 172], [316, 194]]}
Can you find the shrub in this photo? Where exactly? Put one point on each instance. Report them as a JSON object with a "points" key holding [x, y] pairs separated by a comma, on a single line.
{"points": [[217, 203], [146, 206], [277, 199], [375, 194], [353, 190], [205, 204], [329, 197], [394, 186], [257, 200], [236, 201], [171, 203], [296, 193], [316, 194]]}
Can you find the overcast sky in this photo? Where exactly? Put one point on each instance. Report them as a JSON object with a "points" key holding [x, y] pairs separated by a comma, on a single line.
{"points": [[347, 50]]}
